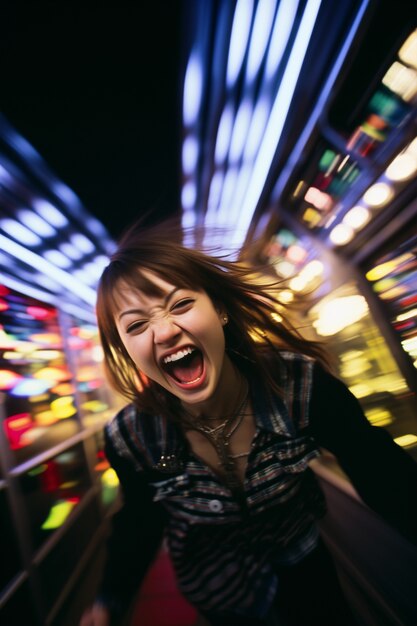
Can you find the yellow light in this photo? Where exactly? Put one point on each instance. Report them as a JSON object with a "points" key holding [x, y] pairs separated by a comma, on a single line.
{"points": [[357, 217], [408, 51], [401, 80], [404, 166], [297, 284], [286, 297], [45, 418], [406, 316], [395, 292], [94, 406], [312, 217], [312, 270], [298, 189], [47, 355], [58, 514], [379, 194], [58, 374], [109, 478], [276, 317], [379, 271], [341, 234], [360, 390], [412, 147], [337, 314], [379, 416], [63, 407], [406, 440], [284, 269]]}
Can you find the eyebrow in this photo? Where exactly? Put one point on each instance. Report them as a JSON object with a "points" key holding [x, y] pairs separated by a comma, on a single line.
{"points": [[166, 299]]}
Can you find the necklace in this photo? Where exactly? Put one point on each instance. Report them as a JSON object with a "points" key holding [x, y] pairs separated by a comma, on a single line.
{"points": [[219, 436]]}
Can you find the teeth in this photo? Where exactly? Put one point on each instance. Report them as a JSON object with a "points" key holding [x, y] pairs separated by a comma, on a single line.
{"points": [[178, 355]]}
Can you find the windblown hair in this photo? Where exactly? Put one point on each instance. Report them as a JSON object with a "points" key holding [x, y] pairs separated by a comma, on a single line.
{"points": [[253, 334]]}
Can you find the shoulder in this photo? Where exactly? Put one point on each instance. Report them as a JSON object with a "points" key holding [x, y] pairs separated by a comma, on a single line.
{"points": [[141, 438], [296, 369], [132, 434]]}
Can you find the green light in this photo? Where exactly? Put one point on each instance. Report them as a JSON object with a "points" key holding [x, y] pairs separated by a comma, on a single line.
{"points": [[58, 514]]}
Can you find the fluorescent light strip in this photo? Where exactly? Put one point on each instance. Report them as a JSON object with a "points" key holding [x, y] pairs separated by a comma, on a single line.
{"points": [[277, 119], [37, 294], [27, 256], [193, 86], [259, 39], [284, 22], [239, 39]]}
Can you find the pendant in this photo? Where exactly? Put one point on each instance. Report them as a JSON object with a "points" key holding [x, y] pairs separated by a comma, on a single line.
{"points": [[169, 463]]}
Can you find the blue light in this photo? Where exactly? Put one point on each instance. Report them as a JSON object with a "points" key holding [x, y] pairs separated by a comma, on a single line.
{"points": [[283, 24], [36, 223], [259, 39], [224, 133], [277, 118], [257, 127], [57, 258], [240, 131], [82, 243], [31, 387], [70, 251], [42, 265], [192, 90], [189, 154], [238, 39], [188, 195], [20, 232], [50, 213]]}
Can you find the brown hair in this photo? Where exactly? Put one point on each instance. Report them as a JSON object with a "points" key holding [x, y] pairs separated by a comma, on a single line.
{"points": [[250, 307]]}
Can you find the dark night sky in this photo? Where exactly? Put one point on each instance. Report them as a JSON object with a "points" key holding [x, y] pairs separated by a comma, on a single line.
{"points": [[96, 90]]}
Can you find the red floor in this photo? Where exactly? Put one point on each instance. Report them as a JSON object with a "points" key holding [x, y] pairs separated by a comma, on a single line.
{"points": [[159, 602]]}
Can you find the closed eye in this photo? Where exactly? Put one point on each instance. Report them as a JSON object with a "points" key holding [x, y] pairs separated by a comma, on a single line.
{"points": [[182, 305], [137, 326]]}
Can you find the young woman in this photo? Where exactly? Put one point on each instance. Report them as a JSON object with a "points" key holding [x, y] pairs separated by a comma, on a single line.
{"points": [[227, 407]]}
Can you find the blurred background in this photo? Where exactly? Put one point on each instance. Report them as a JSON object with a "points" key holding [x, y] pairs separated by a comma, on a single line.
{"points": [[285, 129]]}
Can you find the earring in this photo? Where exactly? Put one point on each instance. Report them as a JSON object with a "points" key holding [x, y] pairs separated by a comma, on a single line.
{"points": [[225, 318]]}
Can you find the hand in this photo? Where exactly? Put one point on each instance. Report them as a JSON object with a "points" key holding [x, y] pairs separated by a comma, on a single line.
{"points": [[96, 615]]}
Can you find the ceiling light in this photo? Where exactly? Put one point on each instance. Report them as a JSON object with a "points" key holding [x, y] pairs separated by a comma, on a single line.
{"points": [[50, 213], [357, 217], [404, 166], [192, 90], [408, 51], [189, 154], [259, 39], [20, 232], [277, 119], [337, 314], [283, 24], [378, 195], [341, 234], [36, 223], [239, 39]]}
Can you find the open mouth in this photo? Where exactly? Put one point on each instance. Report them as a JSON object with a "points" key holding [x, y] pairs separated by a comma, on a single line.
{"points": [[185, 366]]}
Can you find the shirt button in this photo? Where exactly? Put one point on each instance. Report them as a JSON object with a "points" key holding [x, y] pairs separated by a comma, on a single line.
{"points": [[215, 506]]}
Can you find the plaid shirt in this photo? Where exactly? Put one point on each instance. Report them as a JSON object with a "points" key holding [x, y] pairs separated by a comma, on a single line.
{"points": [[226, 552]]}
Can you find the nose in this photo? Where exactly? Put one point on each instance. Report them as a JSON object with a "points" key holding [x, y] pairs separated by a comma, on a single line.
{"points": [[165, 331]]}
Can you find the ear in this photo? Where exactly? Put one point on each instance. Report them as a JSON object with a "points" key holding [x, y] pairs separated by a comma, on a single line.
{"points": [[224, 318]]}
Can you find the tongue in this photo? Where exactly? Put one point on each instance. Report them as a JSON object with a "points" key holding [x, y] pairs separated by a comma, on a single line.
{"points": [[189, 368]]}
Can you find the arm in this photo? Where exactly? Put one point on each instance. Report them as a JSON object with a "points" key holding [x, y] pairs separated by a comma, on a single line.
{"points": [[382, 473], [136, 534]]}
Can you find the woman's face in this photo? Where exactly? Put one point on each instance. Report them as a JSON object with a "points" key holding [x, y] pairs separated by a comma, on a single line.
{"points": [[175, 338]]}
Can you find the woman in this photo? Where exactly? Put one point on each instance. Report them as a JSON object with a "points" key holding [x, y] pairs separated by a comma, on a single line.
{"points": [[228, 405]]}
